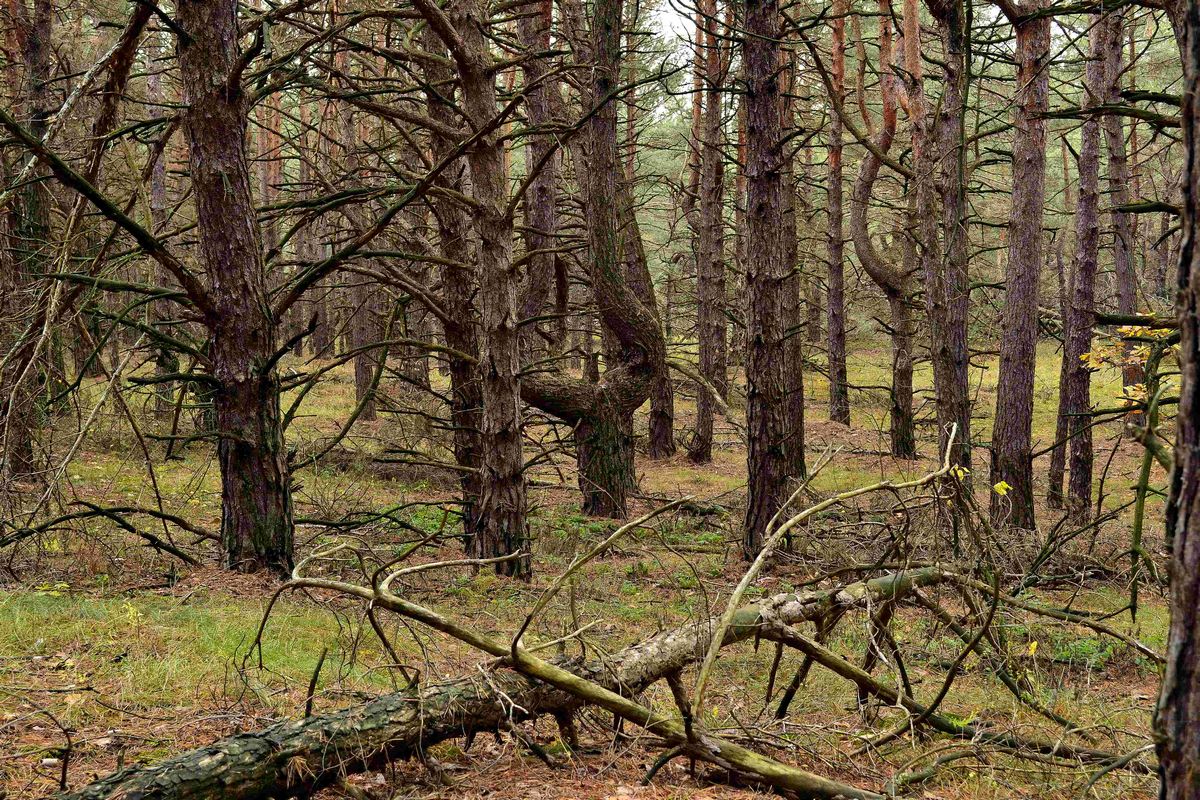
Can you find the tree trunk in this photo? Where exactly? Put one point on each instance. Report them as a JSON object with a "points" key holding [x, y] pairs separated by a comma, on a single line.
{"points": [[635, 351], [541, 154], [1119, 179], [365, 331], [31, 245], [604, 439], [792, 306], [1162, 249], [460, 281], [792, 309], [766, 273], [662, 388], [166, 361], [502, 528], [1012, 432], [1076, 393], [947, 289], [710, 265], [1056, 473], [835, 295], [256, 504], [1177, 721], [894, 281]]}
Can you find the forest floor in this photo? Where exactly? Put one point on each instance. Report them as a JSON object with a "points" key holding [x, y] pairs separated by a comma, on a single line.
{"points": [[139, 657]]}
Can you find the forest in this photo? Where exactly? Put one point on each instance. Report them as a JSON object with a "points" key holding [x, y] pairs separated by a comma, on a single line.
{"points": [[599, 399]]}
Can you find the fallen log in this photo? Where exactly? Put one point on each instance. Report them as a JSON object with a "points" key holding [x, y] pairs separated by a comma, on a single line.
{"points": [[294, 758]]}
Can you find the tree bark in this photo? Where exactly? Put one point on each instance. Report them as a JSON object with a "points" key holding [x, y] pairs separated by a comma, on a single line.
{"points": [[710, 265], [1177, 721], [947, 289], [1119, 178], [1076, 392], [30, 240], [634, 347], [766, 272], [835, 294], [1056, 472], [460, 283], [502, 527], [1012, 431], [256, 503]]}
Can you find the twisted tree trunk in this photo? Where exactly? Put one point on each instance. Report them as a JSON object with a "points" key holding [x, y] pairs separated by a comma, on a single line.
{"points": [[601, 411], [895, 281]]}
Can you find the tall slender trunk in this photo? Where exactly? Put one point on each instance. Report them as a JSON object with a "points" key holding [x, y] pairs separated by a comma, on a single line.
{"points": [[766, 273], [1056, 472], [1012, 432], [541, 153], [460, 283], [710, 268], [1162, 248], [166, 362], [256, 503], [792, 307], [1076, 392], [1119, 178], [947, 289], [835, 292]]}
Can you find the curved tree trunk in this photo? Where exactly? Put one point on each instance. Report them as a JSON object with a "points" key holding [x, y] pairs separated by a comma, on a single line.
{"points": [[894, 281], [634, 346]]}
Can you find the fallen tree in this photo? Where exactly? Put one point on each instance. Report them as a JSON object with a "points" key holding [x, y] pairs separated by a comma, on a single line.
{"points": [[295, 757]]}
